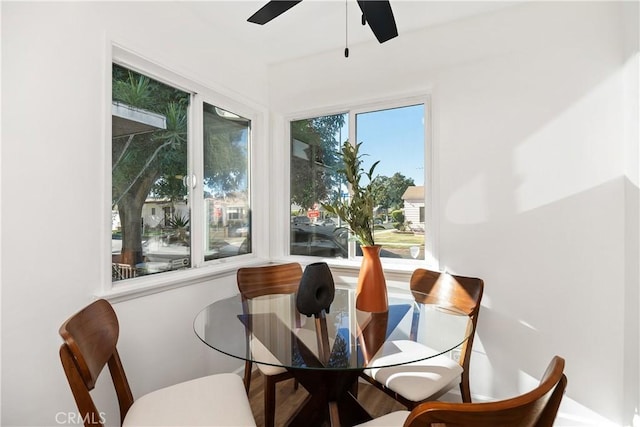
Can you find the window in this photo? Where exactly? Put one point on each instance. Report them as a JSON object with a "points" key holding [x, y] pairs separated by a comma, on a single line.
{"points": [[396, 137], [314, 146], [153, 147], [226, 159]]}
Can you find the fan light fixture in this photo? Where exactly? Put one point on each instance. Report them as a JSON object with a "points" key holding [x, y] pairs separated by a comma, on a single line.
{"points": [[377, 13]]}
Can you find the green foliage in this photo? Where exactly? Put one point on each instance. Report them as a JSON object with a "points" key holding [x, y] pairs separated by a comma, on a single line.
{"points": [[178, 221], [398, 216], [313, 177], [389, 190], [148, 164], [180, 224], [132, 89], [358, 212], [225, 152]]}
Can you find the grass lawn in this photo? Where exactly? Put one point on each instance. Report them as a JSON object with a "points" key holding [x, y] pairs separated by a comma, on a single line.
{"points": [[392, 238]]}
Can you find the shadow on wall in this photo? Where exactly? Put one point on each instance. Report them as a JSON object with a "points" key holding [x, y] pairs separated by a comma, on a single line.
{"points": [[572, 413], [541, 219], [556, 273]]}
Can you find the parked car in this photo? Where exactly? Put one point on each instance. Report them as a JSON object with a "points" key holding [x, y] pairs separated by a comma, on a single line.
{"points": [[329, 242], [238, 230], [243, 230], [300, 220], [327, 222], [319, 241]]}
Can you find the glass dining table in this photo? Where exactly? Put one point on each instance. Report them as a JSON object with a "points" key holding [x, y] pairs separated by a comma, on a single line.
{"points": [[328, 352]]}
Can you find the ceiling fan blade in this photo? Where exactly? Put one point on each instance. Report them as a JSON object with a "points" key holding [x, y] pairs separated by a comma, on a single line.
{"points": [[380, 18], [271, 10]]}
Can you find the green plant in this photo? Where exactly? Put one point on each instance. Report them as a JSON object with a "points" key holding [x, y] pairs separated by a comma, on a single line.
{"points": [[358, 212], [397, 215], [180, 225], [178, 221]]}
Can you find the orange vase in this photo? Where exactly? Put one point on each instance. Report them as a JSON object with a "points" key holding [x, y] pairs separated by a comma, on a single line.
{"points": [[371, 293]]}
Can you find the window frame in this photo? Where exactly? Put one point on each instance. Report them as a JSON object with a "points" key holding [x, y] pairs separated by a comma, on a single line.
{"points": [[199, 94], [430, 184]]}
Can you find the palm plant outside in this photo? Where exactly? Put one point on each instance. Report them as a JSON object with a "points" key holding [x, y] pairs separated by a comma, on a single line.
{"points": [[358, 212]]}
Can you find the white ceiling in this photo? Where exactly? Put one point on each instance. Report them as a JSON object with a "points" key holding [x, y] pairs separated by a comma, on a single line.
{"points": [[315, 26]]}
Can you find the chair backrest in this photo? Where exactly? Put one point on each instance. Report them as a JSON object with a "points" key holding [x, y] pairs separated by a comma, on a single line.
{"points": [[90, 338], [271, 279], [463, 293], [537, 408]]}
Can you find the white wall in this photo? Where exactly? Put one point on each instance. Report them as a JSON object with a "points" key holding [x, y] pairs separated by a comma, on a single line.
{"points": [[632, 193], [54, 79], [529, 106], [530, 136]]}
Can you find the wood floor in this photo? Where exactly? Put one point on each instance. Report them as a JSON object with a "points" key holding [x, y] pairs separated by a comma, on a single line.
{"points": [[288, 399]]}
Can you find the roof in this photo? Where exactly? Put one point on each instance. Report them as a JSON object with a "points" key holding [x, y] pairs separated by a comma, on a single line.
{"points": [[414, 192], [128, 120]]}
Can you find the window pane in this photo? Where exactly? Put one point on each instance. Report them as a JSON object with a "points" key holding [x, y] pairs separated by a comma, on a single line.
{"points": [[150, 208], [314, 146], [396, 138], [226, 183]]}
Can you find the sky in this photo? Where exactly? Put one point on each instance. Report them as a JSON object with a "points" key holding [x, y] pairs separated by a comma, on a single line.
{"points": [[396, 138]]}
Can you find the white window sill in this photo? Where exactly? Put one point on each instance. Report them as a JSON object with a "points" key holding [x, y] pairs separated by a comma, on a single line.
{"points": [[345, 271], [391, 265], [395, 272], [152, 284]]}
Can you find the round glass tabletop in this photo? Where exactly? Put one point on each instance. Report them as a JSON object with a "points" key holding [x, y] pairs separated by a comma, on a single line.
{"points": [[269, 330]]}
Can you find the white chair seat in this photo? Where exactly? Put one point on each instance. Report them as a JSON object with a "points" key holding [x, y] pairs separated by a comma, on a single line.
{"points": [[260, 352], [215, 400], [392, 419], [270, 370], [415, 381]]}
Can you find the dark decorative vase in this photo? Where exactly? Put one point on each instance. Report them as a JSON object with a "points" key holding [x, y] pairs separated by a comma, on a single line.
{"points": [[371, 293], [316, 290]]}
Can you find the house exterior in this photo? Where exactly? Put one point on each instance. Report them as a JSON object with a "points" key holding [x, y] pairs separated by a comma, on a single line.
{"points": [[413, 207]]}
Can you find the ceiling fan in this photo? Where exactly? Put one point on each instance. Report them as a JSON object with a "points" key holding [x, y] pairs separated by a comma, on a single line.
{"points": [[376, 13]]}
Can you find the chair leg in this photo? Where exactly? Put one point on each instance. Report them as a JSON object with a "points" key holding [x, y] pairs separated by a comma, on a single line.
{"points": [[464, 389], [247, 375], [269, 401]]}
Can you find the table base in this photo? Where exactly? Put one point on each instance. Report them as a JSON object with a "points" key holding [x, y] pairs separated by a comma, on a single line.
{"points": [[330, 400]]}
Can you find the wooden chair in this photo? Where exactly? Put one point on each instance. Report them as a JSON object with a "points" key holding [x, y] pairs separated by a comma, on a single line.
{"points": [[429, 379], [90, 338], [537, 408], [267, 280]]}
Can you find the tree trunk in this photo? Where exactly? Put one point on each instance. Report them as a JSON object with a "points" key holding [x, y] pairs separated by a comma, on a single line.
{"points": [[130, 210], [130, 218]]}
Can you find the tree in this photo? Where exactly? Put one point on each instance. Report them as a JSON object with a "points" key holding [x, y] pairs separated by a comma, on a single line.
{"points": [[339, 357], [146, 163], [225, 151], [389, 190], [314, 177]]}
